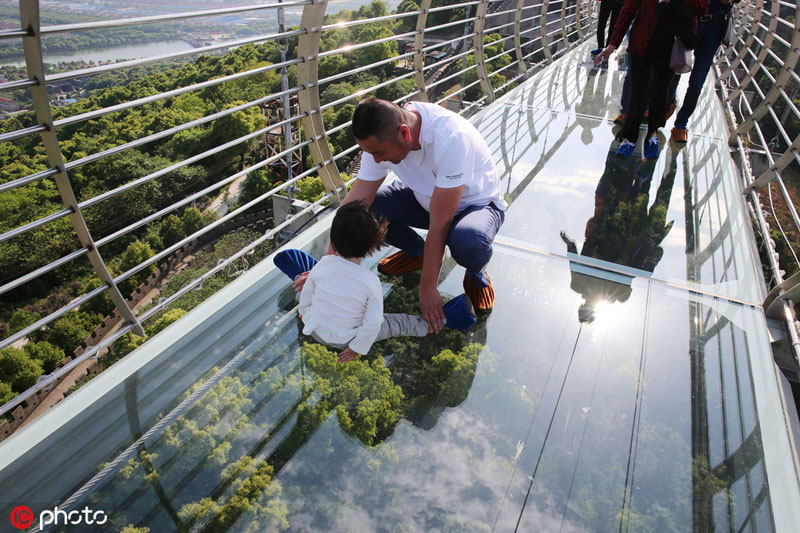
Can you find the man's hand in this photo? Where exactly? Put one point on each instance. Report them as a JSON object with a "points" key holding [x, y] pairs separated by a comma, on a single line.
{"points": [[300, 282], [430, 302], [607, 51], [347, 355]]}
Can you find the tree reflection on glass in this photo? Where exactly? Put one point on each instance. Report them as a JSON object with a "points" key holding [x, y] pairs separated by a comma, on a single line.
{"points": [[215, 468], [623, 229]]}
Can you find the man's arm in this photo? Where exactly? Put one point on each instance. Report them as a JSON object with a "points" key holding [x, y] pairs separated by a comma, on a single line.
{"points": [[363, 190], [444, 204]]}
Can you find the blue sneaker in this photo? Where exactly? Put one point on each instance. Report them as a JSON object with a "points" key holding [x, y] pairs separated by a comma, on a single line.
{"points": [[458, 313], [626, 149], [294, 262], [596, 51], [651, 148]]}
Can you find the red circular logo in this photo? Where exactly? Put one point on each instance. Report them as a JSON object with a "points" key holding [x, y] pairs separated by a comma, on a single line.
{"points": [[22, 517]]}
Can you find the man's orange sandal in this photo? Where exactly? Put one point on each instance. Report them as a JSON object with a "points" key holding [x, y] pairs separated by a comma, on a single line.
{"points": [[482, 299], [399, 263]]}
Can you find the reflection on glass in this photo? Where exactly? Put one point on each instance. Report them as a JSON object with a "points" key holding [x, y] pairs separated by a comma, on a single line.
{"points": [[729, 489], [220, 465], [622, 230], [593, 100]]}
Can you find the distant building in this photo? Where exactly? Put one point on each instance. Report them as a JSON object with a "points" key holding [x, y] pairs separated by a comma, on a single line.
{"points": [[8, 106]]}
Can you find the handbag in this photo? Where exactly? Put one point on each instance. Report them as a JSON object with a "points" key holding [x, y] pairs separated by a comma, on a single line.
{"points": [[730, 35], [682, 59]]}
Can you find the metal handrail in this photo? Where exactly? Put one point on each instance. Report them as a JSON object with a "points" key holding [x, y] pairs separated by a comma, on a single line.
{"points": [[742, 69], [134, 21]]}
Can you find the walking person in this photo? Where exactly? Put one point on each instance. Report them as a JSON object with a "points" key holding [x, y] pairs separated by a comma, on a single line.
{"points": [[608, 9], [656, 25], [710, 31]]}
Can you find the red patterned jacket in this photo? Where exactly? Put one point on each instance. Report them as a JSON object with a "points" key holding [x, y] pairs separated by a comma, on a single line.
{"points": [[646, 14]]}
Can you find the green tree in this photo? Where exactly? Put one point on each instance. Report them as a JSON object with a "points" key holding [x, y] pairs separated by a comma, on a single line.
{"points": [[255, 184], [49, 356], [407, 24], [192, 220], [237, 125], [70, 330], [171, 231], [330, 65], [376, 52], [310, 189], [337, 91], [366, 401], [166, 319], [18, 369], [375, 9], [101, 304], [122, 347], [136, 253], [20, 319], [6, 394]]}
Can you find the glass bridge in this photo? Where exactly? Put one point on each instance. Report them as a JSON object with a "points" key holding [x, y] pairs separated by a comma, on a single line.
{"points": [[625, 380]]}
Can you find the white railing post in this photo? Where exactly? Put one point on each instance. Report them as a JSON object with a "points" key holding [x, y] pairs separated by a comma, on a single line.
{"points": [[32, 44], [523, 68], [480, 56], [419, 45], [308, 99]]}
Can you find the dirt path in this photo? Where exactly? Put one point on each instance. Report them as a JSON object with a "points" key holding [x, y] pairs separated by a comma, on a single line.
{"points": [[222, 205]]}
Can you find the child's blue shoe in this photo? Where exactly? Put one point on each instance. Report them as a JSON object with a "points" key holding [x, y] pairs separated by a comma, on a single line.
{"points": [[626, 149], [458, 313], [651, 148], [294, 262]]}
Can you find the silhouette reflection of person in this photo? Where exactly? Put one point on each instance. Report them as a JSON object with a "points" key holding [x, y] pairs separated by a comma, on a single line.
{"points": [[622, 230], [593, 100]]}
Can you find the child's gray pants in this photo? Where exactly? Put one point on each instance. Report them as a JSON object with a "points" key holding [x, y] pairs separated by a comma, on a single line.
{"points": [[394, 325]]}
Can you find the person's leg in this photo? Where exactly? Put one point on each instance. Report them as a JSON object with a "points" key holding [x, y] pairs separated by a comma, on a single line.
{"points": [[626, 87], [616, 6], [401, 325], [397, 204], [640, 77], [470, 240], [602, 19], [709, 36], [660, 52], [671, 102]]}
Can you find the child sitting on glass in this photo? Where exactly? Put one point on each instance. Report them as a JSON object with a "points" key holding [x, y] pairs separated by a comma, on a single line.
{"points": [[341, 304]]}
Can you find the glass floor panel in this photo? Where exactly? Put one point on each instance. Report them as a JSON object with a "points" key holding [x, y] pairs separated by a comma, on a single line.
{"points": [[600, 394], [677, 219]]}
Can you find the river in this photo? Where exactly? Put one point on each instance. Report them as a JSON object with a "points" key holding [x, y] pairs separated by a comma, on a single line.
{"points": [[112, 53], [135, 51]]}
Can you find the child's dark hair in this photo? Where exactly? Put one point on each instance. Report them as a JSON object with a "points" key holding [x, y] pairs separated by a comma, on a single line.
{"points": [[355, 232]]}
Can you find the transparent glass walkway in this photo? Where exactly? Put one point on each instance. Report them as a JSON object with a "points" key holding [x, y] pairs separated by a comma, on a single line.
{"points": [[624, 381]]}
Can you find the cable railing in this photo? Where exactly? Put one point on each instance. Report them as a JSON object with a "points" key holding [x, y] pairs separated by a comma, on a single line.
{"points": [[220, 134], [761, 93]]}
